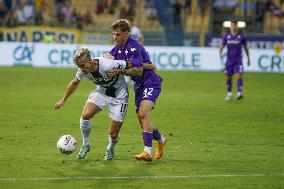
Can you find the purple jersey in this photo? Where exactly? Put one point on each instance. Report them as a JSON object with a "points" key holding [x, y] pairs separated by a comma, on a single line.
{"points": [[148, 85], [234, 45], [134, 52]]}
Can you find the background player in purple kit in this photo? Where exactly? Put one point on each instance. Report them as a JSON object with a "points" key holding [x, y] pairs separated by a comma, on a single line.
{"points": [[147, 85], [235, 41]]}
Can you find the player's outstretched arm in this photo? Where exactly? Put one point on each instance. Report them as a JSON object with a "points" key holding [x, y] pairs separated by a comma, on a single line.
{"points": [[69, 90]]}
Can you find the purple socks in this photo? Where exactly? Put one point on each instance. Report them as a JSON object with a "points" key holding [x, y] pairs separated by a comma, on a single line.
{"points": [[147, 138], [229, 85], [240, 85]]}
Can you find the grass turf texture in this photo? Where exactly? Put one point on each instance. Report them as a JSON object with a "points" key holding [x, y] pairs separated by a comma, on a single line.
{"points": [[208, 136]]}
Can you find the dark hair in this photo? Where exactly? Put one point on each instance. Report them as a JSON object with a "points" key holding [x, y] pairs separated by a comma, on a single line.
{"points": [[121, 24]]}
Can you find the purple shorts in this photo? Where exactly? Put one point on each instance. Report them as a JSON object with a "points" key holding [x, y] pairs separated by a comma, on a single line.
{"points": [[231, 68], [151, 93]]}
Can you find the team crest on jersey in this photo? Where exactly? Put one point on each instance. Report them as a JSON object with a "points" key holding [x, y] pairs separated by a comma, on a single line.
{"points": [[132, 49], [239, 37], [126, 51], [228, 37]]}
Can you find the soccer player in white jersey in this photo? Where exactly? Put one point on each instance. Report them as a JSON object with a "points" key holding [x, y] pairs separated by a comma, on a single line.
{"points": [[111, 92]]}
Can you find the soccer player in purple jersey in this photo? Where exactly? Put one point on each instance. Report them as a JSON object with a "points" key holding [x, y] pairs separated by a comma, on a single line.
{"points": [[235, 41], [147, 85]]}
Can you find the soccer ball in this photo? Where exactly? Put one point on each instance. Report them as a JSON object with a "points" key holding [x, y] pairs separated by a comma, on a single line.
{"points": [[66, 144]]}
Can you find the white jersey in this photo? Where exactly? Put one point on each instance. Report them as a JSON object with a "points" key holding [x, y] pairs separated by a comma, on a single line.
{"points": [[135, 33], [115, 87]]}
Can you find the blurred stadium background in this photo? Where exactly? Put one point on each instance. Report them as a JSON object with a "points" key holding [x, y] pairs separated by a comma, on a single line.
{"points": [[163, 22]]}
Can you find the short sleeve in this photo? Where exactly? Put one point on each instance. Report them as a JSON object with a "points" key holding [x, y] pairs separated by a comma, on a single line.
{"points": [[112, 52], [80, 75]]}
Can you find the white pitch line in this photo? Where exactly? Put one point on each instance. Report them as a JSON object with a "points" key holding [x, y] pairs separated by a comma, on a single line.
{"points": [[139, 177]]}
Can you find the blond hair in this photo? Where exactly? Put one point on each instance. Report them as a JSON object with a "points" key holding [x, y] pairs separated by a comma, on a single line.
{"points": [[82, 56]]}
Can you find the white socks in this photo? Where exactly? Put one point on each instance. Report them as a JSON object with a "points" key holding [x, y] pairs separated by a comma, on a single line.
{"points": [[148, 149], [112, 142], [85, 126], [161, 140]]}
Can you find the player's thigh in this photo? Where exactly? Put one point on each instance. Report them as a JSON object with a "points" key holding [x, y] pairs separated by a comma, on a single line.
{"points": [[118, 109], [89, 110], [146, 106], [228, 69], [144, 110], [238, 69], [95, 103]]}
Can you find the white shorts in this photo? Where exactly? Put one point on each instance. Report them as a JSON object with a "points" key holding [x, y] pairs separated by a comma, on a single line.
{"points": [[117, 107]]}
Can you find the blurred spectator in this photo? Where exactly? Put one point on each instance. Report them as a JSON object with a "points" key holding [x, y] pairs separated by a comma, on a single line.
{"points": [[67, 12], [177, 7], [20, 15], [60, 19], [131, 10], [28, 12], [135, 32], [202, 6], [276, 11], [151, 11], [8, 4], [187, 7], [112, 7], [11, 19], [123, 9], [38, 18], [79, 21], [259, 15], [3, 12], [100, 6], [52, 18], [88, 19], [58, 6]]}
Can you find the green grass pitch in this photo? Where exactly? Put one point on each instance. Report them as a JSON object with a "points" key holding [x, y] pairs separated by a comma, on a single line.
{"points": [[212, 143]]}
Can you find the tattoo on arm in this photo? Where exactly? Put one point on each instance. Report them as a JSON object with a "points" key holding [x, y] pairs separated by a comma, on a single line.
{"points": [[135, 71]]}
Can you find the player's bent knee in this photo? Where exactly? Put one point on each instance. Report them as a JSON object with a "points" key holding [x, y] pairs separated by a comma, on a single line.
{"points": [[86, 116], [113, 134], [142, 115]]}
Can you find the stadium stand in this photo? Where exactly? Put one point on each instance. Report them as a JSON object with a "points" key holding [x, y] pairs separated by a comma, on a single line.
{"points": [[156, 18]]}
